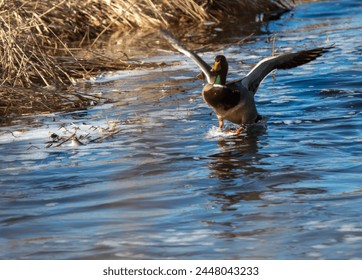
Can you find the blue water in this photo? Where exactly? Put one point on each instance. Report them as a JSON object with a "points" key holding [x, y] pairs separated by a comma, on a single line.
{"points": [[167, 185]]}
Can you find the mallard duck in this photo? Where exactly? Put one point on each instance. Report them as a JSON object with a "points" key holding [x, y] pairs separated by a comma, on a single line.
{"points": [[234, 100]]}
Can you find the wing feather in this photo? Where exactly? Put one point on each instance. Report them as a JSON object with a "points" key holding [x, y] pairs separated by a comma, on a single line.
{"points": [[205, 68], [283, 61]]}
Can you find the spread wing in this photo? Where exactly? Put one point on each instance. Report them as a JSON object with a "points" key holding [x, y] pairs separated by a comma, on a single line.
{"points": [[283, 61], [205, 68]]}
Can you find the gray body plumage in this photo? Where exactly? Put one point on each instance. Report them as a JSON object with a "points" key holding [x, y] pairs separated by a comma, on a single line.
{"points": [[244, 112]]}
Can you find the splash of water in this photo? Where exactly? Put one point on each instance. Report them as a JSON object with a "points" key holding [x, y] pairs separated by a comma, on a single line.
{"points": [[215, 132]]}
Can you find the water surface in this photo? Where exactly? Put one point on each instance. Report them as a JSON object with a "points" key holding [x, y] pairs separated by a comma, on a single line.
{"points": [[166, 184]]}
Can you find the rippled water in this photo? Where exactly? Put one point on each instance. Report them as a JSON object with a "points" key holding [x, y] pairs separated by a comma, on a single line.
{"points": [[166, 184]]}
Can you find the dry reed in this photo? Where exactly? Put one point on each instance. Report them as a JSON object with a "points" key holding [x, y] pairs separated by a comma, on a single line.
{"points": [[37, 38]]}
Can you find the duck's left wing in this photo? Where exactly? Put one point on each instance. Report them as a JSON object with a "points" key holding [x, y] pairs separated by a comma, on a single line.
{"points": [[205, 68], [283, 61]]}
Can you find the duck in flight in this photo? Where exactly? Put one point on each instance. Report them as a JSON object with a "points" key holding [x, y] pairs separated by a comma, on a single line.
{"points": [[234, 100]]}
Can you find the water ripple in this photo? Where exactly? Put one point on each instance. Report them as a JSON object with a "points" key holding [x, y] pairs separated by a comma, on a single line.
{"points": [[166, 183]]}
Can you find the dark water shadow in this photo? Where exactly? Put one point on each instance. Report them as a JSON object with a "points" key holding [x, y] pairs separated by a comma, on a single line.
{"points": [[237, 158]]}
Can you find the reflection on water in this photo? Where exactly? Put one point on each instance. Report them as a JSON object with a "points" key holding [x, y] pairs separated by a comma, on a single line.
{"points": [[237, 158], [169, 185]]}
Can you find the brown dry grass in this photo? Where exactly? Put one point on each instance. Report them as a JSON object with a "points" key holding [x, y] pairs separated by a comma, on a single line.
{"points": [[43, 42]]}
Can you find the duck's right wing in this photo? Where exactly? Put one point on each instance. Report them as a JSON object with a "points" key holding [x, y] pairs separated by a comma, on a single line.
{"points": [[205, 68]]}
